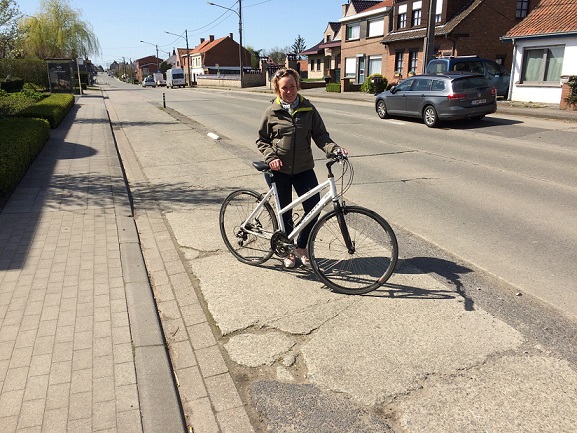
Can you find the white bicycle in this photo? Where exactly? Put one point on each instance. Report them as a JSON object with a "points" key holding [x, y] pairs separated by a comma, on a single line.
{"points": [[352, 250]]}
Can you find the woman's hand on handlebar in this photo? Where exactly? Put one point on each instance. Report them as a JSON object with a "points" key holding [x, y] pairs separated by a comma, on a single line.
{"points": [[341, 152]]}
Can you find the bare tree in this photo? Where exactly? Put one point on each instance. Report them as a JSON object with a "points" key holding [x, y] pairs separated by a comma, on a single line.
{"points": [[278, 55], [58, 31]]}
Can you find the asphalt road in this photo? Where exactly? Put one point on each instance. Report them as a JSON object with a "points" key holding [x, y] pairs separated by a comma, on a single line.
{"points": [[499, 194]]}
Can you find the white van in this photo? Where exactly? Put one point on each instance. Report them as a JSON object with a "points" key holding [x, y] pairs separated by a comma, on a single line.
{"points": [[175, 78]]}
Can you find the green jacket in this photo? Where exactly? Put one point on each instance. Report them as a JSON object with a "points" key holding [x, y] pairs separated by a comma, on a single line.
{"points": [[289, 137]]}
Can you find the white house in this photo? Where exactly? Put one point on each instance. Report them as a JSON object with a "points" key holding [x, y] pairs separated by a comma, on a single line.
{"points": [[544, 52]]}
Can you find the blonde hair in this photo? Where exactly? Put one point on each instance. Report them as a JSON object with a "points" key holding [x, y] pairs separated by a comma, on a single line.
{"points": [[283, 73]]}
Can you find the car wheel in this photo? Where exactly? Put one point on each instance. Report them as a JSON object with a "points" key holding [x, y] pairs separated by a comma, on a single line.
{"points": [[382, 109], [430, 116]]}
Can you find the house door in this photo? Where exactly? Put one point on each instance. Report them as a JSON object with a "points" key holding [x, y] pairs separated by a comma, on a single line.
{"points": [[361, 70]]}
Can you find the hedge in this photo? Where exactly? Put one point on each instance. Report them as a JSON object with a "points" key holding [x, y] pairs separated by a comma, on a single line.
{"points": [[20, 142], [54, 108]]}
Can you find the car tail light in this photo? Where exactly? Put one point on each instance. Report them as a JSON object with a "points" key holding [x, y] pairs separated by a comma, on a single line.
{"points": [[493, 90], [456, 96]]}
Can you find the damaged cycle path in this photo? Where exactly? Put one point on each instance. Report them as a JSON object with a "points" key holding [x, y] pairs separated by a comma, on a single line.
{"points": [[407, 357]]}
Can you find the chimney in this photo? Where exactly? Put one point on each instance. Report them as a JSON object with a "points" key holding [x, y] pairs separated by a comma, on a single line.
{"points": [[201, 40], [230, 35], [211, 37]]}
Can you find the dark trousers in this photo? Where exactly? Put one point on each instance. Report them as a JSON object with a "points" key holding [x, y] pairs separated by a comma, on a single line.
{"points": [[302, 183]]}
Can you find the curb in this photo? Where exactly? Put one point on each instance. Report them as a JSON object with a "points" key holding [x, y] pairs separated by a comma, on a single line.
{"points": [[159, 401]]}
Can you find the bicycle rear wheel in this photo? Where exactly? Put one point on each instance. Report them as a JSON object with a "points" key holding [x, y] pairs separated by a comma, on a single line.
{"points": [[372, 260], [252, 244]]}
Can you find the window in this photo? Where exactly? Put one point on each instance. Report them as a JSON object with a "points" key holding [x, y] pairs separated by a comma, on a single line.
{"points": [[351, 67], [438, 85], [328, 38], [318, 64], [399, 62], [375, 64], [522, 8], [402, 18], [312, 65], [416, 19], [402, 23], [542, 64], [376, 28], [422, 85], [439, 11], [353, 31], [413, 60]]}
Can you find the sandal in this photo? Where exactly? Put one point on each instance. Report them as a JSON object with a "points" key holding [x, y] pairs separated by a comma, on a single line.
{"points": [[290, 261]]}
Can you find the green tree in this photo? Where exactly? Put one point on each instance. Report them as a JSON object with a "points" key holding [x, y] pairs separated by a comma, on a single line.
{"points": [[58, 32], [254, 57], [9, 16], [299, 46]]}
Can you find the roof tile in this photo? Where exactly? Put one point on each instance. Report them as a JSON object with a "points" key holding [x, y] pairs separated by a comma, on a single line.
{"points": [[548, 17]]}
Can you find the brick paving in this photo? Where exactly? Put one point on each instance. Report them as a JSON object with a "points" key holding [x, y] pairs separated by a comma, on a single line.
{"points": [[68, 359]]}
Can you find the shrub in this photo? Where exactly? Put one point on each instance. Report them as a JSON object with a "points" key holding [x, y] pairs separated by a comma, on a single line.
{"points": [[334, 87], [374, 83], [20, 141], [572, 97], [53, 108], [12, 103]]}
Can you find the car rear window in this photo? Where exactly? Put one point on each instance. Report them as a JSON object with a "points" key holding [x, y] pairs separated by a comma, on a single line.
{"points": [[469, 83], [437, 66], [438, 85]]}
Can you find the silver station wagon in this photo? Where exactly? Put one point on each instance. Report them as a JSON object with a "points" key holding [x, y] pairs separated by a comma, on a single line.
{"points": [[439, 97]]}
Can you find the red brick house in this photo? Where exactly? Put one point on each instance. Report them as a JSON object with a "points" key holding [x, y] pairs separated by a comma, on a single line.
{"points": [[364, 24], [471, 27], [212, 56], [146, 66]]}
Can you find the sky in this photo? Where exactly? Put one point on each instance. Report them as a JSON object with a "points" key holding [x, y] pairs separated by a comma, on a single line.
{"points": [[120, 25]]}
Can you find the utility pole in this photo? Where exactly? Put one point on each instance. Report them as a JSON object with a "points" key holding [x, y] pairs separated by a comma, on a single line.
{"points": [[240, 41], [239, 13], [155, 46], [188, 58], [187, 53], [429, 45]]}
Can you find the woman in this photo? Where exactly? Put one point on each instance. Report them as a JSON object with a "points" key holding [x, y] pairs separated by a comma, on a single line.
{"points": [[285, 134]]}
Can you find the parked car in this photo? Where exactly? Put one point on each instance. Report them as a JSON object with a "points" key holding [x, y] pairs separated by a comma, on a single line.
{"points": [[149, 82], [492, 71], [437, 97]]}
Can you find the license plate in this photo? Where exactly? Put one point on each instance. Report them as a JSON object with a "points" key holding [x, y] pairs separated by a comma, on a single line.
{"points": [[478, 101]]}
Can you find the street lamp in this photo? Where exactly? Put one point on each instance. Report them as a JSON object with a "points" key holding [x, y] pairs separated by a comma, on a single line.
{"points": [[187, 53], [239, 13], [154, 45]]}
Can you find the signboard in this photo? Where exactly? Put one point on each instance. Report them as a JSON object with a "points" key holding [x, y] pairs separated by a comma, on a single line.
{"points": [[60, 75]]}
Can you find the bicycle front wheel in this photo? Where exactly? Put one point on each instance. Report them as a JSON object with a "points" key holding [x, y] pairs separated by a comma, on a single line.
{"points": [[249, 244], [369, 263]]}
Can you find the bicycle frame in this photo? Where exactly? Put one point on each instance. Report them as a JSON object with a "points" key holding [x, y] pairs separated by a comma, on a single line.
{"points": [[331, 195]]}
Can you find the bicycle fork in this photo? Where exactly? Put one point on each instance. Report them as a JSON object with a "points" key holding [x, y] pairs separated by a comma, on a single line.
{"points": [[343, 227]]}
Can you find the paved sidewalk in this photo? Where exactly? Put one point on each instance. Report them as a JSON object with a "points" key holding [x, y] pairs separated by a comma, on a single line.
{"points": [[81, 348]]}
